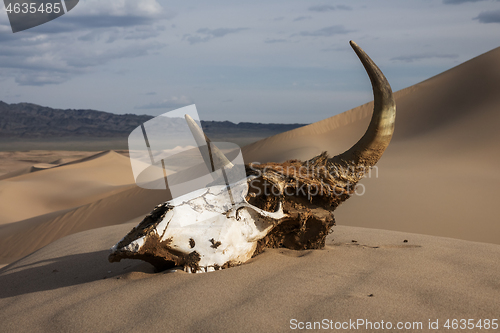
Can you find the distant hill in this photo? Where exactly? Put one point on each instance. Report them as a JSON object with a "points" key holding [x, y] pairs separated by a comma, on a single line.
{"points": [[25, 120], [31, 121]]}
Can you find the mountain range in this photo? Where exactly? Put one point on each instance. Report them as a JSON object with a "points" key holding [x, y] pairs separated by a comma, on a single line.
{"points": [[30, 121]]}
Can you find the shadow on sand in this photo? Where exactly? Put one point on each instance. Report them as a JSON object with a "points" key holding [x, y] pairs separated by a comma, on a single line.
{"points": [[24, 276]]}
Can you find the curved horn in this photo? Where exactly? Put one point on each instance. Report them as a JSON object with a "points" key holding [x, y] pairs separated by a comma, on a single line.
{"points": [[368, 150]]}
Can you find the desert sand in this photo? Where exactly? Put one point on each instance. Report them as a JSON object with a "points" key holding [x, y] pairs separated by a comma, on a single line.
{"points": [[69, 286], [420, 244]]}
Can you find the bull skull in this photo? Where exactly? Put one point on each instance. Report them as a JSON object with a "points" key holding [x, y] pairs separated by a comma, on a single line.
{"points": [[278, 205]]}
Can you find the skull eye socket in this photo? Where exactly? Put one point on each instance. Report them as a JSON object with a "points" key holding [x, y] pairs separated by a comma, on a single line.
{"points": [[263, 195]]}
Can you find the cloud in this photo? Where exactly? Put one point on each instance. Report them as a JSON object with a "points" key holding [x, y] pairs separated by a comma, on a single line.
{"points": [[41, 79], [42, 60], [344, 7], [91, 36], [74, 44], [492, 16], [119, 13], [195, 39], [421, 56], [301, 18], [28, 62], [328, 8], [220, 32], [273, 41], [321, 8], [205, 34], [108, 21], [114, 34], [137, 33], [120, 7], [457, 2], [90, 57], [326, 32], [332, 49], [173, 102], [94, 14]]}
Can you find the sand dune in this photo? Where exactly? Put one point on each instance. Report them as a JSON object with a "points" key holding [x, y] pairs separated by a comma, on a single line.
{"points": [[37, 208], [21, 238], [16, 163], [439, 175], [62, 187]]}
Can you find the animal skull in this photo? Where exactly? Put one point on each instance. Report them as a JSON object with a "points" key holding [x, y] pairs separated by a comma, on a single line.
{"points": [[278, 205]]}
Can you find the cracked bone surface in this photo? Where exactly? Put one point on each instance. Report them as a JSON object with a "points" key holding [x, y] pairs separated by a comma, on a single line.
{"points": [[286, 204]]}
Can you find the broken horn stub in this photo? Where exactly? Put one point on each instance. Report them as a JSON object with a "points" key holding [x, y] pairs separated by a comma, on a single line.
{"points": [[213, 157]]}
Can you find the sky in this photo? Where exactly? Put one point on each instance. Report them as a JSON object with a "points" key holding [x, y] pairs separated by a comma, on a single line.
{"points": [[272, 61]]}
